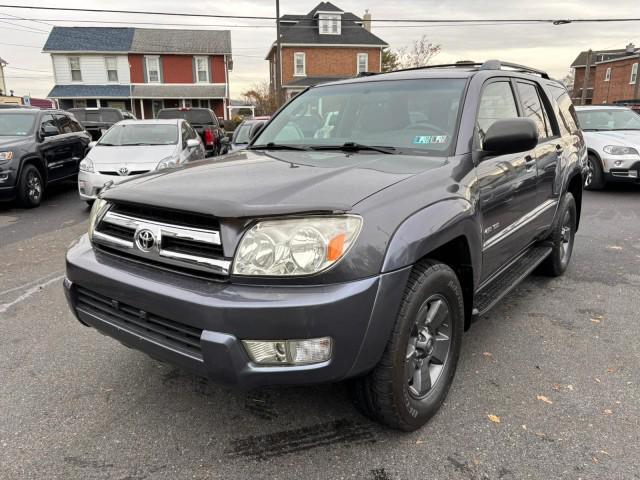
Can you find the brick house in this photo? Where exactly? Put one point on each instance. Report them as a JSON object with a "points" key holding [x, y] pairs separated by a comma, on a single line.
{"points": [[140, 69], [323, 45], [612, 76]]}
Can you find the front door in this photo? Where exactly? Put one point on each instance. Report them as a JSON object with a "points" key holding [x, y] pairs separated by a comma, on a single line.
{"points": [[52, 148], [71, 146], [507, 184]]}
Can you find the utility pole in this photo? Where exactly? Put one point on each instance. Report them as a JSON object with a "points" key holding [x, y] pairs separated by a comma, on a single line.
{"points": [[585, 83], [278, 91]]}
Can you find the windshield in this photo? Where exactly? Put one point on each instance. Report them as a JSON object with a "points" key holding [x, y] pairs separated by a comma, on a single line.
{"points": [[16, 124], [140, 134], [414, 116], [100, 116], [614, 119], [199, 117], [241, 135]]}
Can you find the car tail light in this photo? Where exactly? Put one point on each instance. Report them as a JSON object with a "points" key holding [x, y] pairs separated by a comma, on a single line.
{"points": [[209, 137]]}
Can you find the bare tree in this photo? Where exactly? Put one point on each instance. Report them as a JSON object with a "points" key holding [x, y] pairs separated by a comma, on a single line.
{"points": [[262, 96], [568, 81], [420, 54]]}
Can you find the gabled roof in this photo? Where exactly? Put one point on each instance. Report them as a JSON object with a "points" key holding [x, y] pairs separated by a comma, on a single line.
{"points": [[305, 30], [89, 39], [601, 56], [137, 40]]}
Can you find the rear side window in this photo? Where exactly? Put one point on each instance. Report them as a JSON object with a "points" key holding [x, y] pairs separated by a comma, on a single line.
{"points": [[194, 117], [64, 123], [497, 103], [568, 115], [533, 108]]}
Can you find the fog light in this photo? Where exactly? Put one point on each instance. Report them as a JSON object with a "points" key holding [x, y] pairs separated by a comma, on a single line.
{"points": [[4, 177], [617, 163], [289, 352], [633, 173]]}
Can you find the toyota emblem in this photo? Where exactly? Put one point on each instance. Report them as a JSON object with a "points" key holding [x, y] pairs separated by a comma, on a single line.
{"points": [[123, 171], [145, 240]]}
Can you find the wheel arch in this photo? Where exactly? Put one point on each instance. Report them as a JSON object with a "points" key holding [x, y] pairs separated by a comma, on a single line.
{"points": [[38, 163], [575, 184]]}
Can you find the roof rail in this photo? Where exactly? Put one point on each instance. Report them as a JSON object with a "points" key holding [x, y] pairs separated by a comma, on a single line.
{"points": [[497, 65]]}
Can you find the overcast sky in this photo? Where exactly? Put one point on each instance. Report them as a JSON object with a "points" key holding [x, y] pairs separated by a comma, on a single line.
{"points": [[548, 47]]}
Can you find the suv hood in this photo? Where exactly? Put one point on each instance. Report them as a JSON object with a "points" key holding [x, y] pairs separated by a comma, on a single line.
{"points": [[6, 142], [138, 154], [254, 183], [626, 138]]}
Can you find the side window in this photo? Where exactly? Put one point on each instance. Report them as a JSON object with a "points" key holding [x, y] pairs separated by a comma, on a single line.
{"points": [[64, 124], [497, 103], [532, 108], [192, 132], [75, 126], [185, 134], [48, 121], [568, 117]]}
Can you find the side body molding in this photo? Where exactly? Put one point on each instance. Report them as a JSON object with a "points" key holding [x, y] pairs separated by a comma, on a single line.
{"points": [[432, 227]]}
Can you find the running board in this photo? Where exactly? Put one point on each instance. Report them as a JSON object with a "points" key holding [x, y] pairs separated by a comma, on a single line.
{"points": [[506, 281]]}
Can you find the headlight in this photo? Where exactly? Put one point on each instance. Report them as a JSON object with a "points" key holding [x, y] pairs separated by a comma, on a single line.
{"points": [[6, 156], [168, 162], [296, 246], [99, 207], [86, 165], [620, 150]]}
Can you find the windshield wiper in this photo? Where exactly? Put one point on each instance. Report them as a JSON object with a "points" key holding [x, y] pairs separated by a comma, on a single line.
{"points": [[103, 144], [278, 146], [355, 147]]}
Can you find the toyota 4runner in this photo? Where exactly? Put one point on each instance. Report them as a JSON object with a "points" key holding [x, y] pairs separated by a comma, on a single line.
{"points": [[360, 253]]}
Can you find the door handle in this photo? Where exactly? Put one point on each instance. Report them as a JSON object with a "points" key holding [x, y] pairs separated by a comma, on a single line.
{"points": [[529, 162], [559, 149]]}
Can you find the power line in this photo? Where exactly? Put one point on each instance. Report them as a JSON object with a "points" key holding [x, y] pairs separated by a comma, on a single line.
{"points": [[27, 69], [555, 21]]}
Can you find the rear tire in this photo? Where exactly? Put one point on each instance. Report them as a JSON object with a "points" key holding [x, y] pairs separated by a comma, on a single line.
{"points": [[595, 175], [413, 377], [562, 236], [30, 187]]}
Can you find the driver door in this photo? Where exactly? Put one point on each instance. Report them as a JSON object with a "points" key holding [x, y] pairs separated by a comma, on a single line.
{"points": [[52, 148], [507, 183]]}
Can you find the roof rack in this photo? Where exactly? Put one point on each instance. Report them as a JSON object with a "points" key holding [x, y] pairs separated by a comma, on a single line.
{"points": [[488, 65]]}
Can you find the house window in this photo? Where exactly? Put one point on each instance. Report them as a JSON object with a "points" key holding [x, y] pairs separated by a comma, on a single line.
{"points": [[607, 74], [634, 73], [74, 65], [153, 69], [202, 69], [363, 62], [112, 68], [330, 24], [299, 64]]}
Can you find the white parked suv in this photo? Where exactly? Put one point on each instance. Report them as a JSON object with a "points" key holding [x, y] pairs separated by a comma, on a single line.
{"points": [[134, 147], [612, 135]]}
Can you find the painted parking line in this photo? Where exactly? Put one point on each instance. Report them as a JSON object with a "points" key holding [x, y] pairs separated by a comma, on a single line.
{"points": [[29, 292]]}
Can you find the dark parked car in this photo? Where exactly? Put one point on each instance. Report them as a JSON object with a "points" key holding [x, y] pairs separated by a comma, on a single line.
{"points": [[38, 147], [362, 253], [205, 123], [96, 121], [243, 132]]}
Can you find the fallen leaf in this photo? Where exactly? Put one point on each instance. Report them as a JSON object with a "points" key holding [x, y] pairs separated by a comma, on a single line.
{"points": [[595, 320], [494, 418], [524, 427], [614, 247], [607, 412], [595, 460], [570, 387], [605, 452], [540, 434], [597, 380], [544, 399], [487, 354], [419, 442], [611, 370], [556, 386]]}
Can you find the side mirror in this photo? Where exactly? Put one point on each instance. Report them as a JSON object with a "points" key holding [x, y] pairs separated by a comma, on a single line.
{"points": [[92, 144], [49, 131], [192, 143], [255, 130], [514, 135]]}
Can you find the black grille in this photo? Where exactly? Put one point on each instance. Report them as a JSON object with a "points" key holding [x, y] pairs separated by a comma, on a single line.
{"points": [[191, 247], [134, 172], [169, 216], [162, 330], [118, 231]]}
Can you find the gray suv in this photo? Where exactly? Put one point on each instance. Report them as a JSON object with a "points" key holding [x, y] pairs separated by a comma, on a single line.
{"points": [[362, 252]]}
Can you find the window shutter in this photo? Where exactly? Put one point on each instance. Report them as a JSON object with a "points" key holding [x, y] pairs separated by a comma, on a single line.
{"points": [[160, 73], [194, 70], [145, 75]]}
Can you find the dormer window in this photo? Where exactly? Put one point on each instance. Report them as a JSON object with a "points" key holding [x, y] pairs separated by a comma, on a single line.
{"points": [[329, 24]]}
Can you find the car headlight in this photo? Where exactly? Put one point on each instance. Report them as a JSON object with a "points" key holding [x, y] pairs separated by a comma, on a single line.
{"points": [[6, 156], [99, 207], [168, 162], [295, 246], [86, 165], [620, 150]]}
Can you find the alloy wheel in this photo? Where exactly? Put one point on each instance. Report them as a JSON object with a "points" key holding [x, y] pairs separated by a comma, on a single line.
{"points": [[34, 186], [566, 237], [590, 172], [428, 347]]}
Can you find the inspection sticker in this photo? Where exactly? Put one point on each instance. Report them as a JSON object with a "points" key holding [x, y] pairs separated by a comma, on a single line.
{"points": [[426, 139]]}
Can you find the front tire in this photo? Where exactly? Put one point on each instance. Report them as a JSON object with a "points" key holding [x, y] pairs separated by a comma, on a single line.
{"points": [[562, 238], [30, 187], [595, 176], [413, 377]]}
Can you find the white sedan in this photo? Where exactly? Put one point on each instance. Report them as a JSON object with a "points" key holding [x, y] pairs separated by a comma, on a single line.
{"points": [[612, 135], [134, 147]]}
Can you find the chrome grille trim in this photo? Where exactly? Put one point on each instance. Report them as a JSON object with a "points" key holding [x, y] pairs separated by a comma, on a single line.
{"points": [[217, 265]]}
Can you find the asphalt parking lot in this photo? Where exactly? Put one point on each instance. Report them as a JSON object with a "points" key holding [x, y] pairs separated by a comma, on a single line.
{"points": [[548, 386]]}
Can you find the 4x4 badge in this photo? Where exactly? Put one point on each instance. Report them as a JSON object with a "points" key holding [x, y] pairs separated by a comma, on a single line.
{"points": [[145, 240]]}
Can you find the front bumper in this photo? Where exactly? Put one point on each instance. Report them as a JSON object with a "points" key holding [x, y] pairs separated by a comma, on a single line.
{"points": [[90, 184], [357, 315], [626, 171]]}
